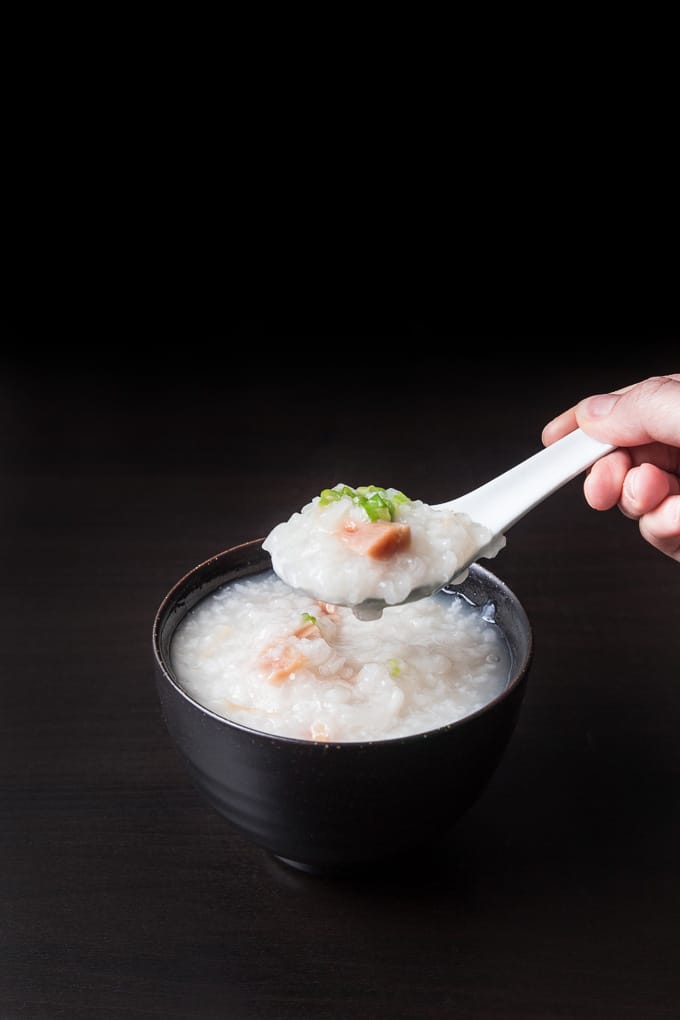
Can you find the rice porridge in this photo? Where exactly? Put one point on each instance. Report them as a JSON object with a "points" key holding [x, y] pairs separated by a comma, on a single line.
{"points": [[351, 545], [277, 660]]}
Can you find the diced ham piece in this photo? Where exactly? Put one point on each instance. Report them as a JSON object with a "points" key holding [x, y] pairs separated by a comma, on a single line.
{"points": [[378, 539], [280, 661], [319, 731]]}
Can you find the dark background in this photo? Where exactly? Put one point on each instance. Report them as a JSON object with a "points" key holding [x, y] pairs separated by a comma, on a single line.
{"points": [[128, 455]]}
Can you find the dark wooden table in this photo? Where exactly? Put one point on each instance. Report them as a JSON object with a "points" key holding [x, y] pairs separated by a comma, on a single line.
{"points": [[123, 894]]}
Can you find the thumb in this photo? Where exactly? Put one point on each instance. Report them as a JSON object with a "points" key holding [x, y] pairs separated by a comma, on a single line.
{"points": [[647, 412]]}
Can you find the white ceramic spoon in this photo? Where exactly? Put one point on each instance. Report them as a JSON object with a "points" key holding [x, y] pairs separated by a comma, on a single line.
{"points": [[501, 502]]}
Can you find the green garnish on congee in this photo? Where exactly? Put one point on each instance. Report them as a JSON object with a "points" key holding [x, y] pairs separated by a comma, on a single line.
{"points": [[373, 500]]}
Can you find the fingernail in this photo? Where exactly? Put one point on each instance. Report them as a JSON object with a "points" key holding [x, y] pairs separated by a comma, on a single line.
{"points": [[632, 485], [598, 407]]}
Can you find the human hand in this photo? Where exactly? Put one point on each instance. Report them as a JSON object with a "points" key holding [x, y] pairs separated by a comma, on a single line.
{"points": [[642, 476]]}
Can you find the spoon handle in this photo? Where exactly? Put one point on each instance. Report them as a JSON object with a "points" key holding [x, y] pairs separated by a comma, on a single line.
{"points": [[501, 502]]}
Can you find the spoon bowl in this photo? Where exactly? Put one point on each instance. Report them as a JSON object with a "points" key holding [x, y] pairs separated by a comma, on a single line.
{"points": [[369, 548]]}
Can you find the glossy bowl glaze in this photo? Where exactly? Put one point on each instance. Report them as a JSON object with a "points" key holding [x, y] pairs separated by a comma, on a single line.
{"points": [[329, 807]]}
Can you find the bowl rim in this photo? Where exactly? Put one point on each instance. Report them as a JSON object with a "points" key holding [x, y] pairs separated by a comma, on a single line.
{"points": [[520, 671]]}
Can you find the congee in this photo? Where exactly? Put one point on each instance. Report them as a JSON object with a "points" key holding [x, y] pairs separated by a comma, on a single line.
{"points": [[275, 659], [349, 545]]}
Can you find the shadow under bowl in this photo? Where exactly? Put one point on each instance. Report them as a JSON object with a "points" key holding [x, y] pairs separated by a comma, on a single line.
{"points": [[331, 808]]}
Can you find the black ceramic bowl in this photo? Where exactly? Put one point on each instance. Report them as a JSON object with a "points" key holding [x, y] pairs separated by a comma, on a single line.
{"points": [[328, 807]]}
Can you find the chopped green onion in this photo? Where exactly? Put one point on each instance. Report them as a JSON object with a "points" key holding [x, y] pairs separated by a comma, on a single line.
{"points": [[377, 507], [329, 496], [393, 667], [373, 499], [308, 617]]}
